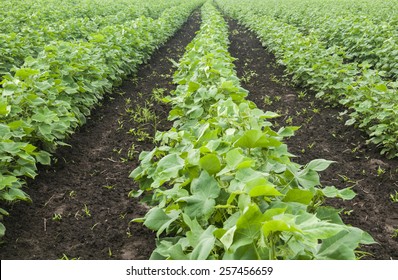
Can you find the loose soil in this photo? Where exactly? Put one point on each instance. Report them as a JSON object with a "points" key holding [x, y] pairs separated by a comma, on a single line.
{"points": [[324, 135], [88, 186]]}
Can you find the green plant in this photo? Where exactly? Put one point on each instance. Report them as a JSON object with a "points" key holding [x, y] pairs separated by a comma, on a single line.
{"points": [[158, 94], [267, 100], [86, 211], [139, 134], [221, 183], [380, 171], [57, 217], [72, 194], [394, 197], [248, 75], [302, 94]]}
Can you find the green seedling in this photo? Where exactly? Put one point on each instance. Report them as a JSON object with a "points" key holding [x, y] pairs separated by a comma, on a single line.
{"points": [[302, 94], [57, 217], [380, 171], [267, 100], [310, 146], [394, 197], [158, 94], [289, 120], [66, 258], [248, 75], [86, 211]]}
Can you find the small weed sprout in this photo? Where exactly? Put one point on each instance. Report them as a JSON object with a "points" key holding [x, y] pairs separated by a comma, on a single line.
{"points": [[248, 75], [289, 120], [380, 171], [86, 211], [267, 100], [302, 94], [57, 217], [394, 197]]}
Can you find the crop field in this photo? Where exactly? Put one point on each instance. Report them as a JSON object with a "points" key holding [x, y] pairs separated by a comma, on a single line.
{"points": [[192, 130]]}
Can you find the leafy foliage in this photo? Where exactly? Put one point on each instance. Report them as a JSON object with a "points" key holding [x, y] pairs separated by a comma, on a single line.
{"points": [[43, 100], [326, 67], [221, 181]]}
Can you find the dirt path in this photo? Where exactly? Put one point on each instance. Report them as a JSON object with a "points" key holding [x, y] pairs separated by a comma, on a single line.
{"points": [[323, 135], [80, 205]]}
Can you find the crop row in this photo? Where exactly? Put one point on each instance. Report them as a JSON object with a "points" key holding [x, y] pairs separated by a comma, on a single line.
{"points": [[372, 102], [50, 95], [360, 36], [220, 181], [30, 25]]}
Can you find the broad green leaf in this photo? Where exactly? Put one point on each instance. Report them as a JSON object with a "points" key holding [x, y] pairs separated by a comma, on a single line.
{"points": [[277, 226], [331, 191], [192, 86], [272, 212], [256, 138], [249, 223], [314, 228], [308, 179], [15, 194], [288, 131], [329, 214], [249, 251], [228, 237], [167, 168], [211, 163], [5, 109], [205, 245], [248, 226], [298, 195], [342, 245], [261, 187], [7, 181], [202, 201], [43, 157], [157, 220], [23, 73], [319, 164]]}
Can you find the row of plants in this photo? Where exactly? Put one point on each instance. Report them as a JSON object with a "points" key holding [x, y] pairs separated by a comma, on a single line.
{"points": [[50, 95], [360, 35], [221, 182], [28, 26], [370, 100]]}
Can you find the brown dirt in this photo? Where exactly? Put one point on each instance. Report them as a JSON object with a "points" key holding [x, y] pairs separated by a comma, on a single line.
{"points": [[88, 185], [324, 135]]}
